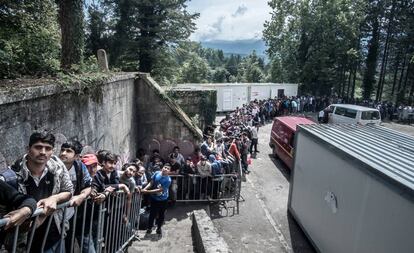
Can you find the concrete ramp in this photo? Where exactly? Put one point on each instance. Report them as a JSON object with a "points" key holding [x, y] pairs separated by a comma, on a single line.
{"points": [[177, 235]]}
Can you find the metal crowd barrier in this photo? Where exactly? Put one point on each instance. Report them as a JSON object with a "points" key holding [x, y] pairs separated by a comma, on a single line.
{"points": [[195, 188], [107, 227]]}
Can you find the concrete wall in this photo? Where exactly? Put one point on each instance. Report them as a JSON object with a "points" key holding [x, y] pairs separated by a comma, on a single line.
{"points": [[121, 115], [200, 104], [162, 124], [100, 117]]}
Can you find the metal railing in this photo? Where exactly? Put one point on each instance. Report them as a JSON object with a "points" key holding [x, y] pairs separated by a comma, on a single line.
{"points": [[196, 188], [106, 227]]}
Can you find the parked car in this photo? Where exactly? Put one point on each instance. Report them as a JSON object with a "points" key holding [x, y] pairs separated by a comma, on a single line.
{"points": [[283, 135], [349, 114]]}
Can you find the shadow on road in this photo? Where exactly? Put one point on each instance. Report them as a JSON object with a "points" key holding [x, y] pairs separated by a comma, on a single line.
{"points": [[180, 211], [281, 167], [300, 243]]}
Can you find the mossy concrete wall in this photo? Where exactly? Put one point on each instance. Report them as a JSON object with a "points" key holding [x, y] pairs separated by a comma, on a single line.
{"points": [[199, 105], [162, 124], [120, 115], [100, 117]]}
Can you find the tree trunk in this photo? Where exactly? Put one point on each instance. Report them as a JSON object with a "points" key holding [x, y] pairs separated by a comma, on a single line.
{"points": [[371, 61], [401, 80], [71, 26], [383, 75], [411, 95], [349, 82], [385, 55], [401, 94], [354, 82], [394, 82], [145, 40]]}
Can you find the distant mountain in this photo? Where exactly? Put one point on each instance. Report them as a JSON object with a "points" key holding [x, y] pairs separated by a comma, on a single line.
{"points": [[241, 47]]}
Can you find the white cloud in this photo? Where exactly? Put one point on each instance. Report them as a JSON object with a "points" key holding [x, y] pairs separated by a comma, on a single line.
{"points": [[230, 19], [240, 11]]}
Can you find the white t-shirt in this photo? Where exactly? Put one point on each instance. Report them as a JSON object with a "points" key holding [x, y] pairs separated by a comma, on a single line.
{"points": [[254, 133], [72, 174]]}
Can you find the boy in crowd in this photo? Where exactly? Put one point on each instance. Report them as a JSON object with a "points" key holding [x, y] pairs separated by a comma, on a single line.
{"points": [[127, 178], [177, 156], [106, 180], [91, 163], [158, 188], [81, 180]]}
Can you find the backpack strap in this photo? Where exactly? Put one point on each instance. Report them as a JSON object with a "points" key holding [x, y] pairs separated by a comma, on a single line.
{"points": [[79, 176]]}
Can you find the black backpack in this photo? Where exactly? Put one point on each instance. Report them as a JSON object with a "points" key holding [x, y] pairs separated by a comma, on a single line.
{"points": [[9, 176]]}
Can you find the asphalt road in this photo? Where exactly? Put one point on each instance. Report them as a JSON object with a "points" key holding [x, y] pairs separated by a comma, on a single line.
{"points": [[264, 224]]}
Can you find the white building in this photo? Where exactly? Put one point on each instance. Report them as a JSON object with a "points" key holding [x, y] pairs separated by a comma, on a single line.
{"points": [[232, 95]]}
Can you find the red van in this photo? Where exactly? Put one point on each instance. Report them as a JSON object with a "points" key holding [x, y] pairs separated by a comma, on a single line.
{"points": [[282, 136]]}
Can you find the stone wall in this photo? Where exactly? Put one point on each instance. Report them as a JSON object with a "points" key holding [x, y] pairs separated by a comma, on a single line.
{"points": [[125, 113], [199, 105]]}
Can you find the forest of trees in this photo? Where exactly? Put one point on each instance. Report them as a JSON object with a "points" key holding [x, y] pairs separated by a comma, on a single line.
{"points": [[350, 48], [344, 47], [45, 37]]}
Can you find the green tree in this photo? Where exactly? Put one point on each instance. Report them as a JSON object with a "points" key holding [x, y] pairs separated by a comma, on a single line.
{"points": [[220, 75], [29, 38], [72, 33], [252, 69], [96, 28], [309, 40], [373, 47], [148, 27], [194, 70]]}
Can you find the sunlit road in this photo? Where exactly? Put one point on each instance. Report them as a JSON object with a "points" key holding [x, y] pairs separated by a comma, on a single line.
{"points": [[264, 224]]}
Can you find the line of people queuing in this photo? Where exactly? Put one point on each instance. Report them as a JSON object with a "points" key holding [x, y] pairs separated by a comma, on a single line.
{"points": [[41, 179], [274, 107]]}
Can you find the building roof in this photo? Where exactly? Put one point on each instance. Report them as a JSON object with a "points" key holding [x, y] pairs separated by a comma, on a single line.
{"points": [[355, 107], [292, 122], [196, 85], [387, 152]]}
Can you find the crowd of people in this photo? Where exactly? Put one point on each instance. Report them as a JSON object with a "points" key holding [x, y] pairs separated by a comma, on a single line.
{"points": [[40, 179], [403, 113]]}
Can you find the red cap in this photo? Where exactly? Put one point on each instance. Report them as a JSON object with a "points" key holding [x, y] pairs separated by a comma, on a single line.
{"points": [[89, 159]]}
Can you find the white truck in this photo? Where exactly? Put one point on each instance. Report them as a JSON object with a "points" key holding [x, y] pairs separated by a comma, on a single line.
{"points": [[352, 188]]}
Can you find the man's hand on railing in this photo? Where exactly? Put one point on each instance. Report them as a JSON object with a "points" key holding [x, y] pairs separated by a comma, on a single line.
{"points": [[17, 217], [76, 200], [48, 204], [124, 188], [109, 189], [99, 198]]}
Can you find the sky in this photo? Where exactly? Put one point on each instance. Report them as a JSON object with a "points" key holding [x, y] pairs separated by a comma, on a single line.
{"points": [[229, 19]]}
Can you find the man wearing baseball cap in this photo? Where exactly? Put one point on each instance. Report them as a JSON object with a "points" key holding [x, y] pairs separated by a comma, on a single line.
{"points": [[91, 162]]}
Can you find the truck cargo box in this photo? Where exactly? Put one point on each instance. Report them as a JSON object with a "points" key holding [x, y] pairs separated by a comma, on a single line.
{"points": [[352, 188]]}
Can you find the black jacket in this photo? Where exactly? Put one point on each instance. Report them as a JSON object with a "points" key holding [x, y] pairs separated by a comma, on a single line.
{"points": [[11, 199]]}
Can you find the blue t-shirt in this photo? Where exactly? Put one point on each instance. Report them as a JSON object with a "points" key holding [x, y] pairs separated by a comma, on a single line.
{"points": [[158, 180]]}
